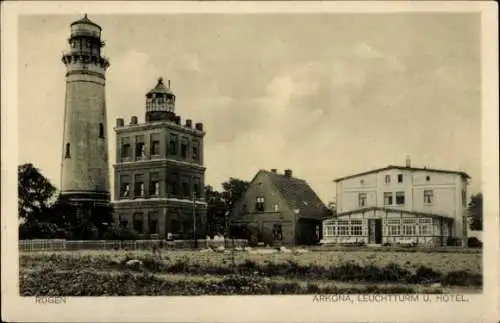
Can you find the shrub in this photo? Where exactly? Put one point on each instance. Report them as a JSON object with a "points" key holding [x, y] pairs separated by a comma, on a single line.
{"points": [[474, 242], [117, 233], [462, 278], [425, 275]]}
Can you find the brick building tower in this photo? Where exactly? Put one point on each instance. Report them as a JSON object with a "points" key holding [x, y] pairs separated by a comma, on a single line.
{"points": [[84, 165], [159, 172]]}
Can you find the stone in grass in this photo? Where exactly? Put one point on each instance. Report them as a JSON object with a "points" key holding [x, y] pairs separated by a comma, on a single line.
{"points": [[238, 249], [207, 250], [300, 250], [436, 285], [285, 249], [133, 263], [247, 248], [221, 249]]}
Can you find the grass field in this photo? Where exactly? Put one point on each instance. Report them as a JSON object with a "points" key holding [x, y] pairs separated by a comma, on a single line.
{"points": [[195, 273]]}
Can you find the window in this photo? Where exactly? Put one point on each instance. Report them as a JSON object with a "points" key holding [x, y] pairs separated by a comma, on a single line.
{"points": [[125, 186], [140, 152], [343, 228], [154, 184], [138, 223], [387, 179], [425, 227], [155, 144], [260, 204], [153, 223], [101, 130], [173, 185], [464, 198], [409, 227], [400, 178], [184, 148], [329, 230], [387, 198], [126, 147], [362, 181], [427, 178], [400, 198], [185, 188], [68, 153], [393, 227], [175, 226], [277, 232], [197, 187], [356, 227], [428, 196], [172, 145], [195, 150], [362, 199], [139, 186], [122, 222]]}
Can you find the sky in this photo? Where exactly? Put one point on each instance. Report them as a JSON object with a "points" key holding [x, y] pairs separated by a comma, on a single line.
{"points": [[326, 95]]}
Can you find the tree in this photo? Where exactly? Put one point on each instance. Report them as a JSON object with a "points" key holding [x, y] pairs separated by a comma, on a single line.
{"points": [[475, 212], [35, 192], [221, 203], [234, 190]]}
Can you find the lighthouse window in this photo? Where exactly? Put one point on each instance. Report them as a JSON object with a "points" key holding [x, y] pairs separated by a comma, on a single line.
{"points": [[184, 148], [124, 186], [154, 188], [140, 152], [101, 130], [67, 155], [172, 145], [155, 144], [139, 186], [195, 151]]}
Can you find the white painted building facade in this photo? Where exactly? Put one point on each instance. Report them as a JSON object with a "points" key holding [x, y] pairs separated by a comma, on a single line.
{"points": [[400, 205]]}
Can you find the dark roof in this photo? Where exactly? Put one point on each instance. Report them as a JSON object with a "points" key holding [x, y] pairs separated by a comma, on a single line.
{"points": [[298, 195], [86, 20], [463, 174], [161, 88]]}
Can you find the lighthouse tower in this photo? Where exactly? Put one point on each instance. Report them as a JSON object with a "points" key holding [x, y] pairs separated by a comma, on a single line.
{"points": [[84, 166]]}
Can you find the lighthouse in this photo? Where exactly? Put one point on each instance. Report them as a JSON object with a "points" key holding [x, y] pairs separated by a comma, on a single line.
{"points": [[84, 165]]}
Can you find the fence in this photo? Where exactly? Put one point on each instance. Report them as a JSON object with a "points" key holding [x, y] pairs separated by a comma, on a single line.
{"points": [[61, 244]]}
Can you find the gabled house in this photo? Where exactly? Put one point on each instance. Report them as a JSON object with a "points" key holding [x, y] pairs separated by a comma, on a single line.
{"points": [[278, 209]]}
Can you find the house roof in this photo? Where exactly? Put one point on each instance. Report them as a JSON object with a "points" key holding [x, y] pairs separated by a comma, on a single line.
{"points": [[298, 195], [461, 173]]}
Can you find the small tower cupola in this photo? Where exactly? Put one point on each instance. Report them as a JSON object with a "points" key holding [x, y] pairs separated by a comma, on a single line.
{"points": [[160, 103]]}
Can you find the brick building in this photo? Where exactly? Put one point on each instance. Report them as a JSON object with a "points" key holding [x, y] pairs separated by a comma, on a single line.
{"points": [[278, 209], [159, 172]]}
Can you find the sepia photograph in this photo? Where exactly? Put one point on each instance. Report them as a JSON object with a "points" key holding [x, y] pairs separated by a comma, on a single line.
{"points": [[335, 155]]}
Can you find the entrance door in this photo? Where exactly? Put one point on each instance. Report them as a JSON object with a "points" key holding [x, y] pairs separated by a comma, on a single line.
{"points": [[375, 231]]}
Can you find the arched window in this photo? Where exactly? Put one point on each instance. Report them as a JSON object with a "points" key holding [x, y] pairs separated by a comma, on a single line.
{"points": [[387, 179], [101, 130], [68, 154]]}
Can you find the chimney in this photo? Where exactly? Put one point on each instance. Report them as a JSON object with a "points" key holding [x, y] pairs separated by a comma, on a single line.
{"points": [[199, 126], [169, 84], [274, 170], [120, 122], [133, 120], [288, 172], [189, 123], [177, 119], [408, 161]]}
